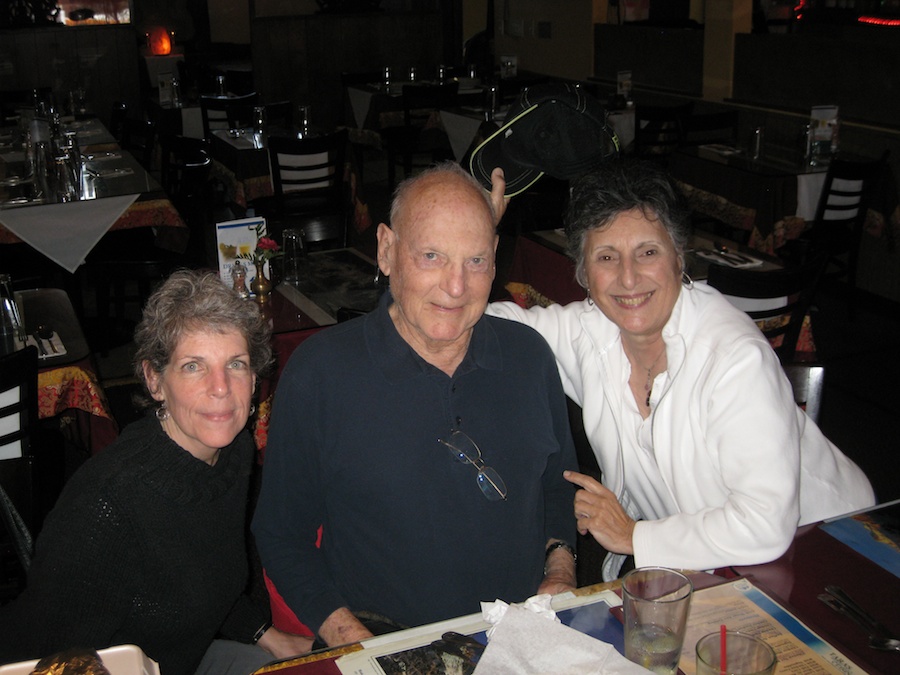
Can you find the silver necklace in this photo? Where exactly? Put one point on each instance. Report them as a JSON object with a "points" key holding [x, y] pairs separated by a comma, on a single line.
{"points": [[648, 386]]}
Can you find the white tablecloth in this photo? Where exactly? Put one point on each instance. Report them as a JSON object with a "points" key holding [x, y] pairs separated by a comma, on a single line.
{"points": [[66, 233]]}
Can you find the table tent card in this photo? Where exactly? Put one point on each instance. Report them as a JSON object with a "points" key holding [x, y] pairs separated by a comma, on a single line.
{"points": [[235, 238]]}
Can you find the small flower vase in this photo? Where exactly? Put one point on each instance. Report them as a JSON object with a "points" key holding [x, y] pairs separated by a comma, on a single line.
{"points": [[261, 286]]}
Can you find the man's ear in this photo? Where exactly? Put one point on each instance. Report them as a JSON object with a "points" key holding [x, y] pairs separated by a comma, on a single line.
{"points": [[386, 240]]}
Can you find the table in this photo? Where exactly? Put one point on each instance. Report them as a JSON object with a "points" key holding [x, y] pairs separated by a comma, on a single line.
{"points": [[770, 198], [116, 193], [68, 384], [814, 560]]}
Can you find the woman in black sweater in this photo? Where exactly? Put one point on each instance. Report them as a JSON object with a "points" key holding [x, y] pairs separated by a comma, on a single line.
{"points": [[146, 544]]}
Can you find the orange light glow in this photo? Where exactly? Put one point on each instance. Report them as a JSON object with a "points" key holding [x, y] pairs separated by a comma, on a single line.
{"points": [[879, 21], [160, 41]]}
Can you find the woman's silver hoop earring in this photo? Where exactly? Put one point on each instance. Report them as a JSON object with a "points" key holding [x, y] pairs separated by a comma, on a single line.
{"points": [[377, 275], [162, 412], [686, 280], [590, 299], [252, 408]]}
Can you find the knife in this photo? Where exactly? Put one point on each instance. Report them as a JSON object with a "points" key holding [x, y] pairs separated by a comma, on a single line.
{"points": [[40, 344]]}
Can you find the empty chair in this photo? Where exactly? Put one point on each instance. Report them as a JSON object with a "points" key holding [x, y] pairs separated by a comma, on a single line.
{"points": [[841, 214], [808, 382], [309, 187], [416, 136], [790, 290], [18, 426], [214, 110], [707, 128], [659, 130]]}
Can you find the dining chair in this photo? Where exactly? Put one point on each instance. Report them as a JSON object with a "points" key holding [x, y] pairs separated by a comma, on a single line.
{"points": [[214, 110], [790, 289], [708, 128], [18, 431], [807, 382], [418, 135], [841, 215], [659, 130], [309, 188]]}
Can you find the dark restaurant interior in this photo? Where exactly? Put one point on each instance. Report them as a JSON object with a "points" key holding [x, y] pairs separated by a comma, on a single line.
{"points": [[148, 73]]}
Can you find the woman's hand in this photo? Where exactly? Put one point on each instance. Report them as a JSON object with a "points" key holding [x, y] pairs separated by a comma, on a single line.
{"points": [[498, 187], [283, 645], [598, 511]]}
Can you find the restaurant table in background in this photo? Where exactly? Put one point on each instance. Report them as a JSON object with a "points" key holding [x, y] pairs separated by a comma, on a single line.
{"points": [[116, 193], [68, 384], [771, 198]]}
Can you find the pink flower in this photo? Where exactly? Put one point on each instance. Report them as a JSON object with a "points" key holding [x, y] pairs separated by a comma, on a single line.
{"points": [[267, 244]]}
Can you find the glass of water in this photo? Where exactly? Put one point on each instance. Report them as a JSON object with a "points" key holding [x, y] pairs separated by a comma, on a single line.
{"points": [[656, 601]]}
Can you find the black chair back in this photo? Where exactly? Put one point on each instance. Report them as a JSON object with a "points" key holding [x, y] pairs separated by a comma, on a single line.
{"points": [[659, 130], [214, 110]]}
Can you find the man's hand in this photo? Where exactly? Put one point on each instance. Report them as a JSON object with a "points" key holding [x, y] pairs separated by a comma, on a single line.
{"points": [[559, 572], [498, 187], [599, 512], [341, 628], [283, 645]]}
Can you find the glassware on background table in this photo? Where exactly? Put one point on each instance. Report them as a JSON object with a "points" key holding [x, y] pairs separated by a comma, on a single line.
{"points": [[756, 144], [744, 655], [303, 118], [6, 293], [221, 89], [176, 93], [40, 170], [8, 331], [441, 73], [386, 77], [656, 602], [412, 73], [64, 185], [294, 256], [259, 119]]}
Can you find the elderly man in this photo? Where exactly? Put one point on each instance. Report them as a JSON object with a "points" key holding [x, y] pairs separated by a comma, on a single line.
{"points": [[427, 439]]}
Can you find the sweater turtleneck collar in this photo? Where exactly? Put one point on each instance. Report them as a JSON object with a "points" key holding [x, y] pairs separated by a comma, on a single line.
{"points": [[177, 475]]}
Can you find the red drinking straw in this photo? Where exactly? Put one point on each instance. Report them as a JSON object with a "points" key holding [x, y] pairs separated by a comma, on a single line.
{"points": [[723, 650]]}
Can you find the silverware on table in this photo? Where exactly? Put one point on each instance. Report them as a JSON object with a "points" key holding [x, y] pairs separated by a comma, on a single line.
{"points": [[40, 344], [879, 636]]}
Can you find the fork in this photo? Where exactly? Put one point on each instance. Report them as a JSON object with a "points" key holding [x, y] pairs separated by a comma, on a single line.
{"points": [[879, 636]]}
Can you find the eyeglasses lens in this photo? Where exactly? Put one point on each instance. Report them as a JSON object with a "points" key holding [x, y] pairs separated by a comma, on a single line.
{"points": [[465, 450]]}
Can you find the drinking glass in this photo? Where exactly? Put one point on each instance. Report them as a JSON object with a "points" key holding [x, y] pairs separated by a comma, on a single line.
{"points": [[221, 89], [412, 73], [744, 655], [259, 119], [656, 602], [292, 242], [65, 187], [8, 330], [386, 77]]}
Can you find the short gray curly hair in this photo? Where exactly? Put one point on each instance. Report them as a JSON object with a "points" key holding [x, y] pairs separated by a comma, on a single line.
{"points": [[190, 301]]}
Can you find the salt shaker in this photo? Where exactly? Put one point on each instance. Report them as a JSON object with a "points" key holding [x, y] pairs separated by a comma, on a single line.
{"points": [[239, 280]]}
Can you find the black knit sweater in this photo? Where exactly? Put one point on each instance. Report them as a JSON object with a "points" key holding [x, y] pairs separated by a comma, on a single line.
{"points": [[145, 546]]}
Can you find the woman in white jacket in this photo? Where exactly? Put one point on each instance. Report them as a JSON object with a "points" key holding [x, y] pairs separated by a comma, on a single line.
{"points": [[706, 459]]}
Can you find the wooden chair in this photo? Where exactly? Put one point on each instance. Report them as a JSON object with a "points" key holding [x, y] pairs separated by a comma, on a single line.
{"points": [[717, 127], [808, 382], [659, 130], [214, 110], [18, 420], [791, 290], [841, 214], [420, 103], [309, 188]]}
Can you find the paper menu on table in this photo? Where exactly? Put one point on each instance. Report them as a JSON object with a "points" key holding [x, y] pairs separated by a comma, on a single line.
{"points": [[235, 238], [824, 121], [742, 606]]}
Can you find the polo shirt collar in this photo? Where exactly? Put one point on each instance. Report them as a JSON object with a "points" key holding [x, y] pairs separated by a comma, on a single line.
{"points": [[399, 361]]}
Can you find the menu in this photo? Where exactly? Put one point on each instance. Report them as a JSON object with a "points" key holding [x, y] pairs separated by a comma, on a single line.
{"points": [[741, 606], [236, 238], [874, 533]]}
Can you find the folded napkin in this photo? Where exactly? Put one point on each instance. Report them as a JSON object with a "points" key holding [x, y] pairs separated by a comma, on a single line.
{"points": [[524, 642], [737, 260]]}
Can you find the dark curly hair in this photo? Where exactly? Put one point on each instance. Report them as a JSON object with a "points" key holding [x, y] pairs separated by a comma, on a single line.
{"points": [[616, 187], [190, 301]]}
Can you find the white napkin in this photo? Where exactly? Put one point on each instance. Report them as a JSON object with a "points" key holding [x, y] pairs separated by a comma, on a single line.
{"points": [[525, 642]]}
